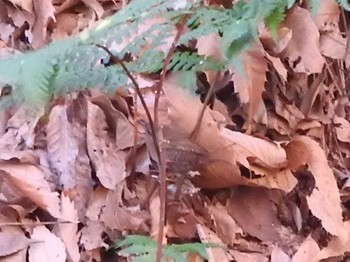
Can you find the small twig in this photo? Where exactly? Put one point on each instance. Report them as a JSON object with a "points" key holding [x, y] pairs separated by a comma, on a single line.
{"points": [[195, 130], [162, 167], [117, 60], [8, 224]]}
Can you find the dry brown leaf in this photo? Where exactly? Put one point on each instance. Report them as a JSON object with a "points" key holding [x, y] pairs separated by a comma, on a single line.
{"points": [[116, 121], [342, 127], [117, 216], [24, 4], [289, 112], [97, 201], [43, 11], [209, 45], [281, 179], [272, 46], [307, 251], [264, 153], [91, 235], [25, 156], [29, 180], [251, 85], [208, 236], [11, 243], [68, 232], [96, 6], [336, 247], [48, 247], [324, 201], [223, 170], [252, 209], [226, 227], [279, 66], [154, 210], [66, 25], [62, 146], [108, 161], [303, 51], [278, 255], [20, 127], [248, 257], [333, 45], [327, 17]]}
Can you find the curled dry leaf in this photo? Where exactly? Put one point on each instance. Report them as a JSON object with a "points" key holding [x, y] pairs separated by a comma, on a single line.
{"points": [[30, 180], [227, 148], [324, 201], [261, 152], [303, 51]]}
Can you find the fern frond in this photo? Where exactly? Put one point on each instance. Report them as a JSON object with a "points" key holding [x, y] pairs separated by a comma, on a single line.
{"points": [[274, 19], [344, 4]]}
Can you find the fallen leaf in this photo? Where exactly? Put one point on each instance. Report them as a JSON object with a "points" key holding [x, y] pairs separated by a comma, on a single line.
{"points": [[48, 247], [252, 209], [62, 146], [303, 51], [108, 161], [307, 251], [324, 201], [11, 243], [251, 83], [30, 181], [44, 12], [68, 232]]}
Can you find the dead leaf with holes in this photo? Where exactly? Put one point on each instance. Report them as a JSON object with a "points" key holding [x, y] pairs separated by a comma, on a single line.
{"points": [[324, 201]]}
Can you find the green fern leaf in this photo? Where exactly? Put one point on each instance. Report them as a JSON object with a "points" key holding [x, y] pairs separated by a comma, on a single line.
{"points": [[344, 4]]}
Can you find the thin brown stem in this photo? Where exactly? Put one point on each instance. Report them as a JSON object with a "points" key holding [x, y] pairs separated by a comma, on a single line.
{"points": [[195, 130], [117, 60], [162, 167]]}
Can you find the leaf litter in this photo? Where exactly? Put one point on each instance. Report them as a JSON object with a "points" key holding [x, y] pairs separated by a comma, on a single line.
{"points": [[269, 164]]}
